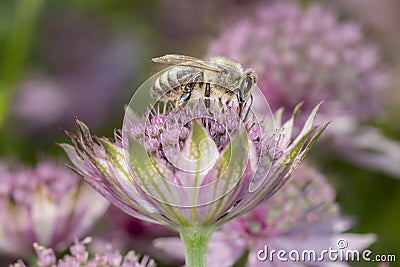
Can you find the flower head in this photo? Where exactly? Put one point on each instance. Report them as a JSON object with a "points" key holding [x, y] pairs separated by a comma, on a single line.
{"points": [[302, 215], [306, 54], [194, 167], [79, 256], [47, 204]]}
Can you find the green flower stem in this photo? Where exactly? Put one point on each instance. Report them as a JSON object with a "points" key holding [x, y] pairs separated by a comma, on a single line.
{"points": [[16, 49], [195, 240]]}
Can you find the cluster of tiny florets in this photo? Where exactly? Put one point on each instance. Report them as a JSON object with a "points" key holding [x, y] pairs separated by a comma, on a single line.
{"points": [[307, 198], [159, 129], [79, 256], [19, 185]]}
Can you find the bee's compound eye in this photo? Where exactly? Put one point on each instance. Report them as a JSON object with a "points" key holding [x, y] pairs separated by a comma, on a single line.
{"points": [[246, 85]]}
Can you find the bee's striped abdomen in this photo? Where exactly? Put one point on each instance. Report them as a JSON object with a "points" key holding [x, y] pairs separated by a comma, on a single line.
{"points": [[168, 85]]}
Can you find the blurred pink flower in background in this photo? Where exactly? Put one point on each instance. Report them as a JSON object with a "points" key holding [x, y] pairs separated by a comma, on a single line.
{"points": [[307, 54], [303, 215], [122, 232], [48, 204], [382, 18], [33, 93], [79, 256]]}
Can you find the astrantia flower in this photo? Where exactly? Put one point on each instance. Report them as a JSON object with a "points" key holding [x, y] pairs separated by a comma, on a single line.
{"points": [[306, 54], [47, 204], [303, 215], [79, 256], [192, 170]]}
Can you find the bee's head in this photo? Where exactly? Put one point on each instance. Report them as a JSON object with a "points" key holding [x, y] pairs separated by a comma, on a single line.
{"points": [[249, 80]]}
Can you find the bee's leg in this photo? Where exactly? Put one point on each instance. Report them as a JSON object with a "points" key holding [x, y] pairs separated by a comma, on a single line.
{"points": [[227, 104], [240, 103], [207, 93], [220, 102], [188, 88], [240, 109], [185, 96], [224, 107], [248, 109]]}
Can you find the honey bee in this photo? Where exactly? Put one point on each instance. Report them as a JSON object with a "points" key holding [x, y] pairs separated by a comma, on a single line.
{"points": [[219, 78]]}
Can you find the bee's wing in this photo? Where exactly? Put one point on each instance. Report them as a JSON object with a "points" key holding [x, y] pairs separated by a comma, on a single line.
{"points": [[182, 60]]}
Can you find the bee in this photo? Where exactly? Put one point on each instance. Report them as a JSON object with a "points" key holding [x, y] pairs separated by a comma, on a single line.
{"points": [[219, 78]]}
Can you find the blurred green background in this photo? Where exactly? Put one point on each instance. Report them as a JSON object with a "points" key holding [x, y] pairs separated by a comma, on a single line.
{"points": [[67, 59]]}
